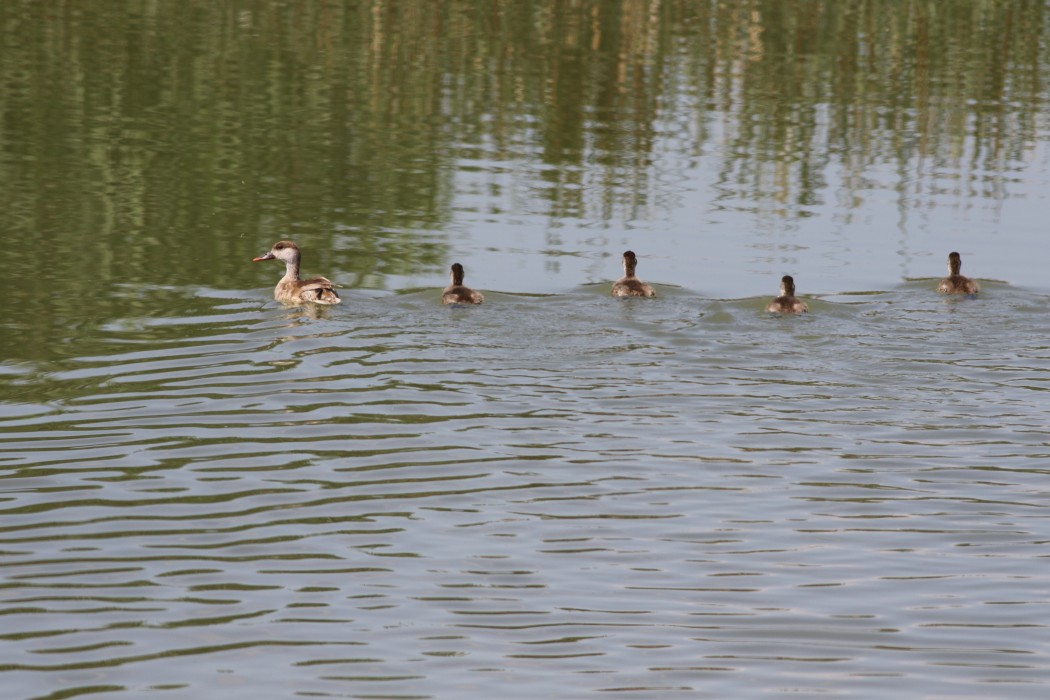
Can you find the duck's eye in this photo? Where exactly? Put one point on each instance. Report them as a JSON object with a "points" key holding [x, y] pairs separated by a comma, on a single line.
{"points": [[279, 246]]}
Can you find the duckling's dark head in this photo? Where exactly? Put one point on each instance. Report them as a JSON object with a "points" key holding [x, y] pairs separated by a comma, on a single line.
{"points": [[457, 274]]}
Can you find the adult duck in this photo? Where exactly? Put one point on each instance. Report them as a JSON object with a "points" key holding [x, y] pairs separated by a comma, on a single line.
{"points": [[291, 289]]}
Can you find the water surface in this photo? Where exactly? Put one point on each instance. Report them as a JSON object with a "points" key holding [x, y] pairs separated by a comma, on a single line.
{"points": [[557, 493]]}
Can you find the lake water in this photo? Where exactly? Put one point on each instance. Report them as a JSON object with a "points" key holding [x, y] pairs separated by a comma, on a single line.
{"points": [[557, 493]]}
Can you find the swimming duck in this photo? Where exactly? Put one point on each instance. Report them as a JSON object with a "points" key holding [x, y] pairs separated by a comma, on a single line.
{"points": [[456, 293], [291, 289], [955, 283], [629, 285], [786, 303]]}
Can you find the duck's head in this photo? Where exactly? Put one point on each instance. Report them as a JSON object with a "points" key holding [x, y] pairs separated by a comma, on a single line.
{"points": [[787, 286], [630, 262], [954, 262], [282, 250]]}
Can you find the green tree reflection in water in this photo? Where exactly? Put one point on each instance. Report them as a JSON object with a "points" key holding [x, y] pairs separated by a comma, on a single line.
{"points": [[165, 143]]}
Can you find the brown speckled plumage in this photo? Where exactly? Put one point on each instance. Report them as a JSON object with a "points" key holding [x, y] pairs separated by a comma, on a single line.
{"points": [[291, 289], [787, 303], [629, 285], [955, 283], [457, 293]]}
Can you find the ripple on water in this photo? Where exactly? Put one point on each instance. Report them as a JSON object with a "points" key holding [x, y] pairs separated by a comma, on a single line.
{"points": [[569, 493]]}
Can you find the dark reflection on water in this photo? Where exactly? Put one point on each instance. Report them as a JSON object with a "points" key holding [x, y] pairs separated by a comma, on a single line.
{"points": [[567, 494]]}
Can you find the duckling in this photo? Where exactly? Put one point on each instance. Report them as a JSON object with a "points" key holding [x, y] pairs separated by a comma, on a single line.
{"points": [[291, 289], [456, 293], [629, 285], [786, 303], [955, 283]]}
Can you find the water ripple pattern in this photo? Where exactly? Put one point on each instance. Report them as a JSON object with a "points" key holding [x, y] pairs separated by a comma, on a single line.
{"points": [[550, 496]]}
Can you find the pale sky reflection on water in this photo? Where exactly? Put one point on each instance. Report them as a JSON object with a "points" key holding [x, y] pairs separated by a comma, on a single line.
{"points": [[849, 241]]}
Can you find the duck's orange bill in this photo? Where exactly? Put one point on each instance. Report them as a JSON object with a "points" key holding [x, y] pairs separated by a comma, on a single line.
{"points": [[267, 256]]}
